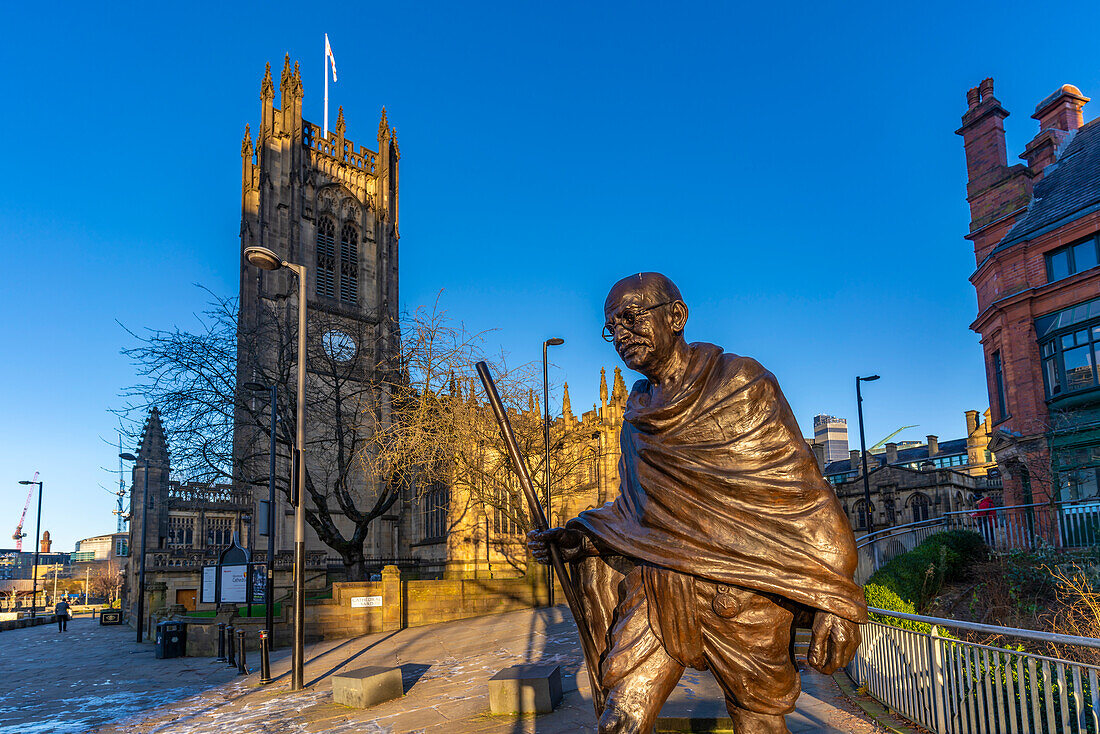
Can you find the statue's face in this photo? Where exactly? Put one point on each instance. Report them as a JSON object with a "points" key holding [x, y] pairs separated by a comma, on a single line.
{"points": [[642, 327]]}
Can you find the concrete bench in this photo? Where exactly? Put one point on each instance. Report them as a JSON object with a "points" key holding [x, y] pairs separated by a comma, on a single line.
{"points": [[367, 686], [525, 689]]}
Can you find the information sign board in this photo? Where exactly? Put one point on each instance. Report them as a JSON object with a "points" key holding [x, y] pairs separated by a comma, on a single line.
{"points": [[366, 601], [234, 584], [209, 591]]}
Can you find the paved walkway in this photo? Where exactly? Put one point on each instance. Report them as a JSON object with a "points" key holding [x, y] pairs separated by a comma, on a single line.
{"points": [[96, 679]]}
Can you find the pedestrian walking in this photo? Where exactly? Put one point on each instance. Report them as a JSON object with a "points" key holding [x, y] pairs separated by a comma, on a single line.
{"points": [[61, 609]]}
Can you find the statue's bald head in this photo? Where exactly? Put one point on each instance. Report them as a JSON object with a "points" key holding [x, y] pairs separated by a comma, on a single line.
{"points": [[645, 317], [657, 288]]}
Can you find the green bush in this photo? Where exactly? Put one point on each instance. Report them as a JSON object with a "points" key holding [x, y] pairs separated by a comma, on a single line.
{"points": [[882, 597], [917, 576]]}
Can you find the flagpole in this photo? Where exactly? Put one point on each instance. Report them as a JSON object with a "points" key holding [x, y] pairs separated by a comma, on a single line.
{"points": [[326, 86]]}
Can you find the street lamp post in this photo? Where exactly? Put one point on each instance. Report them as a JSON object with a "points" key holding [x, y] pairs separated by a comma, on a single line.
{"points": [[554, 342], [37, 534], [265, 259], [269, 613], [863, 453], [144, 526]]}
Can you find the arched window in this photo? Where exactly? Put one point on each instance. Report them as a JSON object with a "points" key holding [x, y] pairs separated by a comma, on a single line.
{"points": [[349, 264], [863, 520], [434, 508], [326, 258], [504, 513], [920, 504]]}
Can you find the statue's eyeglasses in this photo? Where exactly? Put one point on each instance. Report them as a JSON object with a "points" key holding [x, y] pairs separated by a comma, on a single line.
{"points": [[628, 319]]}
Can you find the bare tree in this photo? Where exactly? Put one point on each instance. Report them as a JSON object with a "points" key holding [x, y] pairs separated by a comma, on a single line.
{"points": [[439, 431], [387, 421]]}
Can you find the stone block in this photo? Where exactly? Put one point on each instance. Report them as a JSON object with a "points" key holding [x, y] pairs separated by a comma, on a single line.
{"points": [[525, 689], [367, 686]]}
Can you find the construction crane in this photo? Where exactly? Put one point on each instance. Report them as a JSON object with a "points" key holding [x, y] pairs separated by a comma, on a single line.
{"points": [[19, 534], [883, 441]]}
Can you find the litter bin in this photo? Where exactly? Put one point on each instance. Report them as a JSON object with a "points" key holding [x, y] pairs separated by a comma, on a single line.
{"points": [[171, 640]]}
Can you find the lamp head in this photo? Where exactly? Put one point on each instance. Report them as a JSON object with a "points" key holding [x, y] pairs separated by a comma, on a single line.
{"points": [[26, 481], [263, 258], [128, 457], [872, 378], [255, 387], [554, 342]]}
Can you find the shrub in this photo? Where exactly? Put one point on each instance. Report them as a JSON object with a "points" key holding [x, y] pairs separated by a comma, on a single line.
{"points": [[917, 576]]}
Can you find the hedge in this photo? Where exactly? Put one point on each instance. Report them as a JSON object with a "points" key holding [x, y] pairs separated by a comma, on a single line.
{"points": [[917, 576]]}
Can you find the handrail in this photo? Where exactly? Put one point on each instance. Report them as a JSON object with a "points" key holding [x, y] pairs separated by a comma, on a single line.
{"points": [[989, 629], [863, 540]]}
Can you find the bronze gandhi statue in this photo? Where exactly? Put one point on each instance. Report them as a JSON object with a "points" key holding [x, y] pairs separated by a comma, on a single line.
{"points": [[723, 538]]}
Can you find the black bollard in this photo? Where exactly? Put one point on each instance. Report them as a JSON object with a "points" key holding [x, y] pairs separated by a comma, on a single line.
{"points": [[265, 659], [242, 667], [229, 646], [221, 643]]}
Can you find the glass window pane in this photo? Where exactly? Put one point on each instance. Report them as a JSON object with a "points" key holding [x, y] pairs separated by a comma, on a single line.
{"points": [[1084, 256], [1054, 386], [1082, 337], [1058, 265], [1079, 368], [1067, 341], [1048, 348]]}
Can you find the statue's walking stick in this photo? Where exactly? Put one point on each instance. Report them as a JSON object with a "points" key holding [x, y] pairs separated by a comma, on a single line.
{"points": [[538, 519]]}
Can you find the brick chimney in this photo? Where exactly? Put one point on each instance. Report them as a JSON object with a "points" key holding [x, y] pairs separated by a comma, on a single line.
{"points": [[891, 453], [45, 543], [994, 189], [933, 445], [1062, 110], [853, 461], [1059, 116]]}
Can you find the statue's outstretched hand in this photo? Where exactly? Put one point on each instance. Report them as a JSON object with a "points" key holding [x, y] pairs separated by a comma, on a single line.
{"points": [[833, 642], [571, 544]]}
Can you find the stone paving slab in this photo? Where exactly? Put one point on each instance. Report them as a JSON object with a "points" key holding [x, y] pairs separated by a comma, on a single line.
{"points": [[445, 671], [67, 682]]}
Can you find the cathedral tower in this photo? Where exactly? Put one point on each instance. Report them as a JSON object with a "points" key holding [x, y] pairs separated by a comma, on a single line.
{"points": [[331, 205]]}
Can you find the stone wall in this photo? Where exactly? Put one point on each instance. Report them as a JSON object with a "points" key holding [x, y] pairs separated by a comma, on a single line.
{"points": [[415, 603]]}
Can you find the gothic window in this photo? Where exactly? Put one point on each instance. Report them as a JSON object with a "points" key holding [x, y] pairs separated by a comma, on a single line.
{"points": [[504, 513], [181, 532], [434, 510], [920, 505], [349, 264], [863, 519], [219, 531], [326, 258]]}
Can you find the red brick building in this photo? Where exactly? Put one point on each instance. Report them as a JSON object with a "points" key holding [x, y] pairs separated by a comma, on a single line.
{"points": [[1035, 228]]}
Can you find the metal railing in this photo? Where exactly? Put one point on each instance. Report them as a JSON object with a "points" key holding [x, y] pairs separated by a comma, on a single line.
{"points": [[955, 686], [1062, 525], [952, 686]]}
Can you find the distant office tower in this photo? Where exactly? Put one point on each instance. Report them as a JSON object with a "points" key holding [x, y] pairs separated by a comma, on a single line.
{"points": [[833, 432]]}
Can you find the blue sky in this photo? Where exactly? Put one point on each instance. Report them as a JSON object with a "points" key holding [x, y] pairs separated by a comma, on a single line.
{"points": [[792, 167]]}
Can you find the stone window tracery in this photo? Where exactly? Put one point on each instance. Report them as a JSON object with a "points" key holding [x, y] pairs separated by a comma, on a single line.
{"points": [[326, 258], [181, 532], [349, 264]]}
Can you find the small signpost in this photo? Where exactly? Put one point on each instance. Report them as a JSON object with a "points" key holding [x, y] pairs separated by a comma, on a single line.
{"points": [[231, 580], [366, 601]]}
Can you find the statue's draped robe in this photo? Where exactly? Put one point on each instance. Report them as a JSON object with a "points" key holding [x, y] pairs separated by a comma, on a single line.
{"points": [[718, 483]]}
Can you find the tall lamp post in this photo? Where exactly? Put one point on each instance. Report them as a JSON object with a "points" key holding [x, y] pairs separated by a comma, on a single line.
{"points": [[37, 534], [863, 452], [554, 342], [144, 526], [265, 259], [269, 613]]}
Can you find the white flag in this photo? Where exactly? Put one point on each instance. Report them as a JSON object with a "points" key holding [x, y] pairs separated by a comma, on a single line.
{"points": [[330, 57]]}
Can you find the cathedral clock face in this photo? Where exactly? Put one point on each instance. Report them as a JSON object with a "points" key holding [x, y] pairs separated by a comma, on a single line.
{"points": [[339, 345]]}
